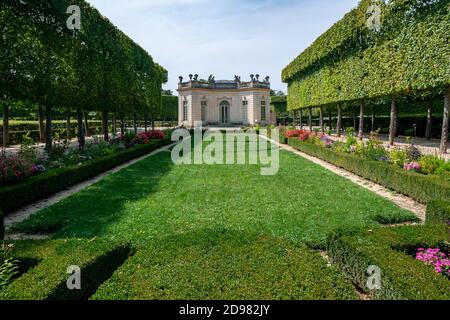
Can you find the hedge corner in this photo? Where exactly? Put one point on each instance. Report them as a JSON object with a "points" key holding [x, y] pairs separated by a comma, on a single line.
{"points": [[438, 212]]}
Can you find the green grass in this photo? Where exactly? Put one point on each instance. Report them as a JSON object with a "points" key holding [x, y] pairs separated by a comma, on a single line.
{"points": [[218, 231]]}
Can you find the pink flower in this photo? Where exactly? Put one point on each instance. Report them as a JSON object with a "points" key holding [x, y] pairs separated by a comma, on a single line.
{"points": [[435, 258], [412, 166]]}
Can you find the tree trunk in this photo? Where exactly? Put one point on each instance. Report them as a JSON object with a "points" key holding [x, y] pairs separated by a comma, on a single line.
{"points": [[105, 125], [5, 125], [339, 121], [321, 123], [393, 120], [445, 122], [372, 125], [86, 124], [48, 128], [81, 138], [114, 124], [41, 124], [145, 122], [135, 123], [330, 119], [122, 124], [301, 119], [68, 134], [361, 120], [153, 122], [310, 120], [429, 120], [354, 118]]}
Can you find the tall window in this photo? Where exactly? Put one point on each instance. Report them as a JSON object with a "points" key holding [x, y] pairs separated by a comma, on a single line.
{"points": [[245, 111], [185, 110], [263, 111], [204, 109]]}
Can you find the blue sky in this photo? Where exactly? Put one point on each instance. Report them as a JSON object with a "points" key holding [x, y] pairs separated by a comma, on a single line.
{"points": [[224, 37]]}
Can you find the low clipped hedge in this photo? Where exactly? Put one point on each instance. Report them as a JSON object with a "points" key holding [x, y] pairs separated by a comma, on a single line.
{"points": [[438, 212], [38, 187], [420, 187], [46, 280], [392, 250]]}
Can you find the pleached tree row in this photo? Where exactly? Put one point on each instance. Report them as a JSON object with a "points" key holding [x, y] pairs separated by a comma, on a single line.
{"points": [[61, 68], [354, 63]]}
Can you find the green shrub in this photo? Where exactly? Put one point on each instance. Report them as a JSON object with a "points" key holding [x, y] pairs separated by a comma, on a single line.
{"points": [[429, 164], [373, 149], [9, 268], [398, 157], [420, 187], [438, 212], [444, 171], [391, 249], [38, 187], [97, 259]]}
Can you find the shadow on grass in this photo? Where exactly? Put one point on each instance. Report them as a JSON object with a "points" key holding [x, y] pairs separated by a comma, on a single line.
{"points": [[221, 263]]}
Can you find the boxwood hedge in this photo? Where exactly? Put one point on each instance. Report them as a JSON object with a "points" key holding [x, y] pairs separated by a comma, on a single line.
{"points": [[438, 212], [97, 259], [420, 187], [392, 250], [38, 187]]}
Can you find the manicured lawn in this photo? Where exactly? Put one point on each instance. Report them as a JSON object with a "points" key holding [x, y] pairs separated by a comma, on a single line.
{"points": [[219, 231]]}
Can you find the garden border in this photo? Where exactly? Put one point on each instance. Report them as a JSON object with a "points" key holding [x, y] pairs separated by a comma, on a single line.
{"points": [[419, 187], [391, 250], [438, 212]]}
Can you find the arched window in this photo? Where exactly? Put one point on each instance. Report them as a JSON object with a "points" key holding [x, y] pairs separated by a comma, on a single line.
{"points": [[224, 112]]}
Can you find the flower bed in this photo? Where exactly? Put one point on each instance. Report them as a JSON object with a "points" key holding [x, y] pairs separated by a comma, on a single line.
{"points": [[30, 162], [14, 196], [436, 258], [390, 249], [373, 162], [410, 158]]}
